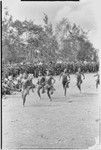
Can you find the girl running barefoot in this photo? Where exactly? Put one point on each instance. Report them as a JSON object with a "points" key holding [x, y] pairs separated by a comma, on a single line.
{"points": [[98, 79], [79, 75], [49, 86], [26, 86], [65, 80], [19, 79], [41, 84]]}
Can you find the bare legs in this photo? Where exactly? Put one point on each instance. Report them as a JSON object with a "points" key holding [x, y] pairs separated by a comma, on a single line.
{"points": [[25, 92], [79, 85], [65, 87], [38, 91], [97, 83], [48, 93]]}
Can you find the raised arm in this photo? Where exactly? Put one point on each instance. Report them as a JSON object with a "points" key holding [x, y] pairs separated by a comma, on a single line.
{"points": [[95, 75]]}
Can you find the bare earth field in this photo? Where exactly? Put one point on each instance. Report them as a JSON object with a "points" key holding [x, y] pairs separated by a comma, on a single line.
{"points": [[71, 122]]}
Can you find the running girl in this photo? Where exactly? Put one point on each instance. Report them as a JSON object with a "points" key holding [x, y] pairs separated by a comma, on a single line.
{"points": [[79, 75], [41, 84], [26, 86], [97, 80], [65, 80], [49, 86]]}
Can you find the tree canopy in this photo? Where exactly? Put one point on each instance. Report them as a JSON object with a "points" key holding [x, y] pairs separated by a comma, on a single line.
{"points": [[27, 41]]}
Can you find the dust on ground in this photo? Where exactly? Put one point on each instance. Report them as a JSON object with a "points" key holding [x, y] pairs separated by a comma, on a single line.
{"points": [[71, 122]]}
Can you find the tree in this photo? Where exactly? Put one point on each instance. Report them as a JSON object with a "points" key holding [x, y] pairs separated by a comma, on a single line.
{"points": [[27, 41], [73, 42], [87, 51], [12, 45], [50, 42]]}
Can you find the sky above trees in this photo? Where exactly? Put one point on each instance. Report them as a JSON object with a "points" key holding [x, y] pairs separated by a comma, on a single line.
{"points": [[85, 13]]}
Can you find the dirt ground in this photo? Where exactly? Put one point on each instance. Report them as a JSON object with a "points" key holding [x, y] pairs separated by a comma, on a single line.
{"points": [[71, 122]]}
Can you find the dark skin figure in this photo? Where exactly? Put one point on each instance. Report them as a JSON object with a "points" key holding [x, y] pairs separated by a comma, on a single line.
{"points": [[97, 80], [27, 86], [41, 84], [79, 75], [65, 81], [50, 87]]}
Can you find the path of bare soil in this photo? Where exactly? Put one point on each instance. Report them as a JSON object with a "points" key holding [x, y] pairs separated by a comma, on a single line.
{"points": [[71, 122]]}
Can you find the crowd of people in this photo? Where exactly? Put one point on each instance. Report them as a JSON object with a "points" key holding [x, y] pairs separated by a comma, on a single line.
{"points": [[24, 82], [55, 68]]}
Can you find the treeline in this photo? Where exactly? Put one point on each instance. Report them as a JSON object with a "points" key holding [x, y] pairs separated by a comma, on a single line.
{"points": [[25, 41]]}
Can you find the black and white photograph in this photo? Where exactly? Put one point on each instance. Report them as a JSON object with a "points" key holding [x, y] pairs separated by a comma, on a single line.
{"points": [[50, 83]]}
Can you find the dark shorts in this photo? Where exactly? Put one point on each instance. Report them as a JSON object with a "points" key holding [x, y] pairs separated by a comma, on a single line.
{"points": [[41, 86], [48, 87], [65, 83], [79, 81], [98, 81], [31, 86]]}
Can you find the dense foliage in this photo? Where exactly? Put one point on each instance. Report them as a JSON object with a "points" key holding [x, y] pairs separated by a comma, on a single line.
{"points": [[25, 41], [54, 48]]}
